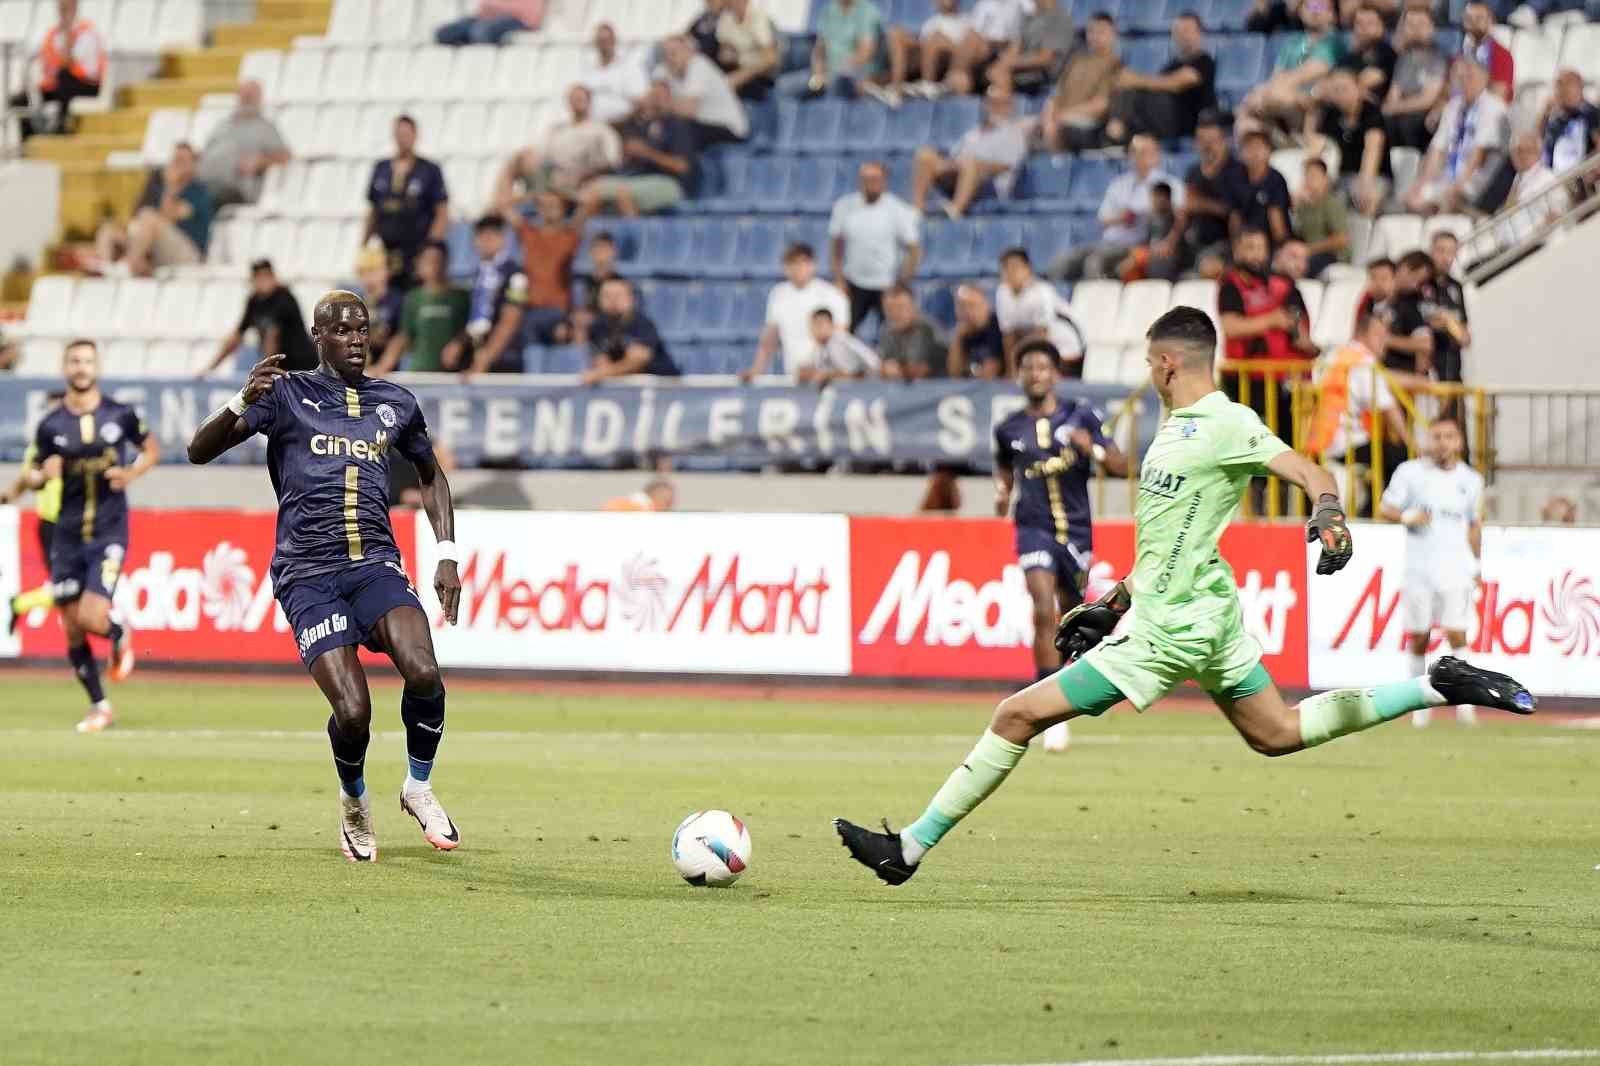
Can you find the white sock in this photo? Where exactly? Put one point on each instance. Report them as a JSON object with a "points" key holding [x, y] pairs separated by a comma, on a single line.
{"points": [[910, 850], [1419, 665], [413, 785]]}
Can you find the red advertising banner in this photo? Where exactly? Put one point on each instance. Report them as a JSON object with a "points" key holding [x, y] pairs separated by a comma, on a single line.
{"points": [[945, 598], [194, 588]]}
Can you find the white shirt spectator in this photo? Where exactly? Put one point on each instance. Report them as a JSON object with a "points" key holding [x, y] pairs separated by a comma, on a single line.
{"points": [[1130, 194], [719, 104], [1000, 20], [845, 353], [790, 308], [952, 27], [613, 88], [875, 236], [1039, 307], [1004, 145], [1464, 129], [1526, 209], [576, 150]]}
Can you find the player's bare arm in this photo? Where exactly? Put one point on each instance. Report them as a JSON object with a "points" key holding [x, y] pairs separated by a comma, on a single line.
{"points": [[226, 428], [1004, 482], [120, 477], [1108, 455], [441, 513]]}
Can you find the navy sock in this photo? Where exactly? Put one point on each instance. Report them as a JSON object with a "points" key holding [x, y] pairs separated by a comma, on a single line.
{"points": [[88, 671], [423, 715], [114, 631], [349, 757]]}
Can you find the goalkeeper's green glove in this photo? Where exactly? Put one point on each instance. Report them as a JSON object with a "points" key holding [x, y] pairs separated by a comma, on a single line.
{"points": [[1327, 525], [1089, 623]]}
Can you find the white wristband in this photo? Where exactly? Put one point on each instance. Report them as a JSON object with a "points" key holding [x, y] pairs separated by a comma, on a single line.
{"points": [[1099, 452], [237, 404], [446, 552]]}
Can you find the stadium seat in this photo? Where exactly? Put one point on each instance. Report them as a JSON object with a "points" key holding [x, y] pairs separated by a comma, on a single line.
{"points": [[947, 249], [1580, 49], [865, 128], [789, 16], [181, 24], [909, 127], [1146, 54], [1534, 54], [760, 249], [818, 126], [1046, 181], [1101, 364], [134, 27], [351, 21], [953, 116], [766, 185], [1404, 162], [1311, 292], [175, 305], [133, 312], [41, 357], [1142, 302], [124, 358], [937, 302], [1460, 225], [1334, 321], [1094, 308], [395, 21], [1395, 235], [169, 359], [1045, 240], [166, 127], [747, 311], [1090, 178], [300, 79], [462, 132], [1201, 293], [664, 303], [1240, 60], [50, 306]]}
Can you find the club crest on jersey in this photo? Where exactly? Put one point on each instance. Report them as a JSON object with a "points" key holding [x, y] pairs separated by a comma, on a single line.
{"points": [[387, 416], [1063, 434], [111, 433], [1188, 429]]}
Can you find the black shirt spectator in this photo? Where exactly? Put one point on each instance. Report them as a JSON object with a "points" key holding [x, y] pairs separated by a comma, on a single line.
{"points": [[977, 345], [1405, 318], [274, 313], [1261, 201], [1205, 230], [408, 202], [1572, 126], [624, 341], [1371, 60], [703, 31], [1199, 97], [1445, 294], [1351, 137], [1167, 105], [667, 134]]}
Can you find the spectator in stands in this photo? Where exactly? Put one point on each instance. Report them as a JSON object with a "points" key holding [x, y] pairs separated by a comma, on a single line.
{"points": [[846, 53], [1259, 198], [790, 305], [1291, 259], [1274, 16], [747, 48], [1162, 221], [548, 249], [1526, 182], [1379, 292], [1371, 57], [574, 152], [1027, 306], [385, 301], [1263, 318], [1303, 60], [1354, 394], [1124, 215], [1355, 125], [434, 314], [72, 63], [985, 160], [1037, 57], [977, 347], [1168, 104], [1416, 93], [495, 21], [701, 94], [835, 353], [602, 268], [625, 341], [1471, 141], [992, 27], [171, 225], [1072, 118], [908, 344], [1571, 124], [702, 32], [658, 495], [1199, 239], [240, 150], [875, 240], [274, 313], [1479, 45], [1321, 220], [1444, 305], [1410, 347], [659, 162], [409, 203], [9, 353], [616, 83], [492, 340], [918, 62]]}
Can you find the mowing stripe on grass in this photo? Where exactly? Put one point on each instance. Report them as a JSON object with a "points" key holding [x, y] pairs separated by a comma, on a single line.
{"points": [[1345, 1059]]}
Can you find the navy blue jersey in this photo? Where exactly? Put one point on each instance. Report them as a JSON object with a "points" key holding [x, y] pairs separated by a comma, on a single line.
{"points": [[1052, 477], [328, 454], [89, 445]]}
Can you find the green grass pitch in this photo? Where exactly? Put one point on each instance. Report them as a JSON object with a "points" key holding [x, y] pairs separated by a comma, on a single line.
{"points": [[173, 892]]}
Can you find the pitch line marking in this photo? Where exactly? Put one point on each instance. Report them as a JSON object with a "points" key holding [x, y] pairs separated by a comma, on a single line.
{"points": [[1346, 1059]]}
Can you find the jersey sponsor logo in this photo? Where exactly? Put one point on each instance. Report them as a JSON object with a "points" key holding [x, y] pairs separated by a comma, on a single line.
{"points": [[922, 598], [387, 416], [59, 440], [351, 447], [1161, 482], [93, 466], [334, 623], [1054, 466]]}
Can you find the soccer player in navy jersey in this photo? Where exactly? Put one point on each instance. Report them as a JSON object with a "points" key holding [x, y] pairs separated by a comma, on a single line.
{"points": [[86, 443], [336, 570], [1044, 455]]}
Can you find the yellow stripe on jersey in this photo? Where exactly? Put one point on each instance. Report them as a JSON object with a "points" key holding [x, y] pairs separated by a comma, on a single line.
{"points": [[86, 428], [1058, 510], [352, 527], [91, 491], [352, 402]]}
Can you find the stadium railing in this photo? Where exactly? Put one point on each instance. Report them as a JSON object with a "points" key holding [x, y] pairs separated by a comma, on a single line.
{"points": [[1516, 231]]}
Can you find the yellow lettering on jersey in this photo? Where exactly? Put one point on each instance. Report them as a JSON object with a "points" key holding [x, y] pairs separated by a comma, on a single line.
{"points": [[1058, 510], [352, 528], [352, 402]]}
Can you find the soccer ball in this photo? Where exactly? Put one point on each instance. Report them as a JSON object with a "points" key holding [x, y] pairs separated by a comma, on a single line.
{"points": [[711, 848]]}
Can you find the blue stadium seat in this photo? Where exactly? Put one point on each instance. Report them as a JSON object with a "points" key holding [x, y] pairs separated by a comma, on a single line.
{"points": [[763, 122], [937, 302], [995, 235], [1145, 17], [1230, 14], [812, 231], [747, 311], [811, 184], [797, 48], [865, 126], [664, 248], [1045, 240], [706, 311], [1089, 180], [567, 359], [948, 249], [1448, 40], [819, 127], [713, 248], [1146, 54], [1453, 16], [733, 183], [910, 126], [663, 302], [788, 118], [533, 359], [1046, 177], [767, 182], [463, 259], [1240, 59], [900, 167], [952, 117], [760, 249]]}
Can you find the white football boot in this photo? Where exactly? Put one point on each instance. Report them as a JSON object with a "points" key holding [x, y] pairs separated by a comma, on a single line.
{"points": [[99, 719], [437, 828], [357, 838]]}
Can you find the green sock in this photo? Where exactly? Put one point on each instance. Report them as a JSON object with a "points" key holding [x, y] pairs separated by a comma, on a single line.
{"points": [[990, 761], [42, 596], [1350, 710]]}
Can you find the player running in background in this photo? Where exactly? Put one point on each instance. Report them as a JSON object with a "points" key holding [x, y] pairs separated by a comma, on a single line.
{"points": [[1439, 499], [46, 507], [1044, 455], [336, 570], [86, 442], [1186, 621]]}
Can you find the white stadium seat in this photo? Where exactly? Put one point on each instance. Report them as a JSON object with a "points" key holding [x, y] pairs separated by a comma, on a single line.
{"points": [[521, 74], [298, 124], [169, 359], [558, 68], [16, 22], [1132, 370], [1404, 162], [1333, 323], [220, 308], [91, 306], [1197, 292], [1311, 292], [345, 77], [392, 74], [50, 305], [396, 21], [166, 127], [429, 116], [134, 27], [40, 358], [133, 313], [181, 24], [1580, 50], [124, 358], [300, 80], [462, 130], [1395, 235], [1094, 309], [282, 188], [263, 65], [340, 133], [1142, 303], [351, 21], [176, 307], [511, 125], [1460, 225], [789, 16], [204, 122], [1533, 55], [1101, 364], [472, 74]]}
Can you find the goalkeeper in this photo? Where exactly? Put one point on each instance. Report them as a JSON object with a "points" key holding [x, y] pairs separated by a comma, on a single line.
{"points": [[1185, 623]]}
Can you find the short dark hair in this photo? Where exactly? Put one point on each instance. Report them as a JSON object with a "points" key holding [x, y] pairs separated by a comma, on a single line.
{"points": [[822, 312], [435, 246], [603, 237], [1368, 7], [407, 119], [1318, 163], [489, 222], [1439, 420], [1381, 261], [1039, 344], [1016, 252], [259, 265], [1190, 16], [1213, 118], [1416, 260], [1103, 16], [79, 342], [1163, 188], [798, 250], [1187, 326], [1251, 231], [1254, 135]]}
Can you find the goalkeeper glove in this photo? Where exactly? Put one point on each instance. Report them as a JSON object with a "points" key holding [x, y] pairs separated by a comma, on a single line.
{"points": [[1089, 623], [1327, 525]]}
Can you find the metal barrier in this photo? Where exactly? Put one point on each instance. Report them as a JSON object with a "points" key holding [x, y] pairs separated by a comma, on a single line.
{"points": [[1547, 430], [1517, 230]]}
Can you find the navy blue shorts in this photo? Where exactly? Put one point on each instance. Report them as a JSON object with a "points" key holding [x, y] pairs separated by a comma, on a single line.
{"points": [[1038, 549], [342, 608], [76, 567]]}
